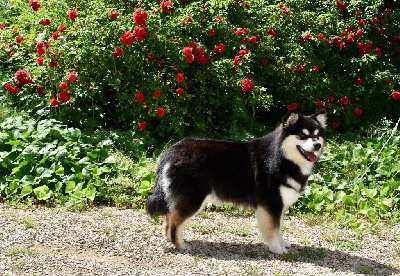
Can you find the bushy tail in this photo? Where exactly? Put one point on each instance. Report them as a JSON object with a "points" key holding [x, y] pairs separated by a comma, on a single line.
{"points": [[156, 203]]}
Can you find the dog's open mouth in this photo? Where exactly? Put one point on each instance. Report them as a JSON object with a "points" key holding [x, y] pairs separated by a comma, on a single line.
{"points": [[309, 155]]}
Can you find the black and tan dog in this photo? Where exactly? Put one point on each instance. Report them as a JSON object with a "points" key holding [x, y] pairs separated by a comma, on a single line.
{"points": [[267, 174]]}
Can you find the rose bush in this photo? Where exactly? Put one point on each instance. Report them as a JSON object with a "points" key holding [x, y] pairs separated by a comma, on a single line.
{"points": [[174, 68]]}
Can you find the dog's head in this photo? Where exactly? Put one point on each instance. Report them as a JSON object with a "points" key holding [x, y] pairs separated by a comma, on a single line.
{"points": [[303, 137]]}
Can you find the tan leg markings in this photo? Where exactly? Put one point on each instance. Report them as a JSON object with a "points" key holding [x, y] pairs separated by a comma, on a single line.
{"points": [[270, 230], [177, 224]]}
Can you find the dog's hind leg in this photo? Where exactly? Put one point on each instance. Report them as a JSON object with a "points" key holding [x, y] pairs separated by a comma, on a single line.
{"points": [[271, 230], [175, 225]]}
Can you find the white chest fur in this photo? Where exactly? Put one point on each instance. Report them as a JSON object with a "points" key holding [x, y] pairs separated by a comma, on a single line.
{"points": [[289, 196]]}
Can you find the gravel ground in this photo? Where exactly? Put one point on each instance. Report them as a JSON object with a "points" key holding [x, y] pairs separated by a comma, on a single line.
{"points": [[112, 241]]}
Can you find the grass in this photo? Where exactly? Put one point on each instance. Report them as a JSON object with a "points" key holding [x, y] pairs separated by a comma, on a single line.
{"points": [[28, 222]]}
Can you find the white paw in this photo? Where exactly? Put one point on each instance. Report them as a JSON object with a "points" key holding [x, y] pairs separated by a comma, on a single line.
{"points": [[285, 244], [275, 247]]}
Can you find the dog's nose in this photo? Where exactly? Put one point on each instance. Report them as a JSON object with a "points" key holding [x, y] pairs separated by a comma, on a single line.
{"points": [[317, 146]]}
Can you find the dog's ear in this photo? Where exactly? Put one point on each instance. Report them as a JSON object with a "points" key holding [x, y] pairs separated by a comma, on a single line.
{"points": [[321, 118], [290, 118]]}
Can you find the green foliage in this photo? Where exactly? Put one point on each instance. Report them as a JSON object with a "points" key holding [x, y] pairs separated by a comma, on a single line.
{"points": [[48, 161], [290, 65], [358, 180]]}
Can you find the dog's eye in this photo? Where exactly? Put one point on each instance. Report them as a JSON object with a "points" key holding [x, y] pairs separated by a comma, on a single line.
{"points": [[302, 136]]}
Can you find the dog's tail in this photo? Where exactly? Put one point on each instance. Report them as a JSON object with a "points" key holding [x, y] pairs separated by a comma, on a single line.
{"points": [[156, 203]]}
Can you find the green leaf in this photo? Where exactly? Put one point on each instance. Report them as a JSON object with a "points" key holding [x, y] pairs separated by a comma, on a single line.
{"points": [[371, 193], [42, 192], [70, 187], [144, 187], [14, 142], [347, 200], [60, 170], [89, 192], [110, 160], [371, 215], [26, 190]]}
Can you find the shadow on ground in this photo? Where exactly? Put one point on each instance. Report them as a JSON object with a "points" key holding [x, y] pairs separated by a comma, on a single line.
{"points": [[336, 260]]}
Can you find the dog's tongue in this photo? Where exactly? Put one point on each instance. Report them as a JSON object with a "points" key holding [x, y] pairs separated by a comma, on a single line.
{"points": [[311, 156]]}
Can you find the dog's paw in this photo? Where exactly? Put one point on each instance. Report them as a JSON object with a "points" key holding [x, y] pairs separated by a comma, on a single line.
{"points": [[276, 248], [285, 244]]}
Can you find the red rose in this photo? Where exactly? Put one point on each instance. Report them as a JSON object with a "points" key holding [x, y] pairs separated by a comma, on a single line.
{"points": [[264, 62], [193, 45], [331, 99], [361, 23], [180, 77], [40, 51], [39, 90], [396, 95], [341, 5], [18, 39], [157, 93], [253, 39], [113, 14], [72, 14], [320, 36], [139, 97], [64, 96], [45, 22], [359, 32], [358, 81], [212, 32], [272, 32], [316, 68], [378, 51], [3, 25], [247, 85], [318, 103], [54, 102], [142, 125], [180, 90], [190, 59], [39, 61], [12, 53], [187, 51], [11, 89], [236, 60], [140, 32], [35, 5], [344, 100], [165, 6], [23, 77], [55, 35], [140, 17], [52, 63], [388, 81], [292, 106], [357, 111], [239, 32], [243, 52], [189, 20], [160, 112], [334, 124], [62, 28], [127, 38], [72, 76], [63, 85], [220, 49], [119, 51]]}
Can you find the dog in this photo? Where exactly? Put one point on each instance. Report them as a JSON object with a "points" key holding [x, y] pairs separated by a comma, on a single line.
{"points": [[267, 174]]}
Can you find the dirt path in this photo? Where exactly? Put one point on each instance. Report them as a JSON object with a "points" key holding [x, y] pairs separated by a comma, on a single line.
{"points": [[110, 241]]}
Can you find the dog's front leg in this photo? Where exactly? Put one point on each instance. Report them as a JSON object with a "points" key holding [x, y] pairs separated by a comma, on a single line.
{"points": [[270, 229], [283, 243]]}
